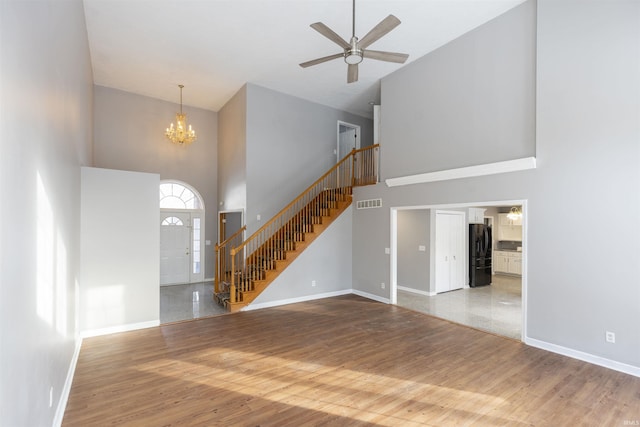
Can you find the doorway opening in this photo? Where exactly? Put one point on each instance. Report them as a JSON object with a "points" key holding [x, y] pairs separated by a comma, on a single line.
{"points": [[500, 307], [229, 222], [182, 224], [348, 139]]}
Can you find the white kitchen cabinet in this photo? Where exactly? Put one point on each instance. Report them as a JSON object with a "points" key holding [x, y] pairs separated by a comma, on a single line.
{"points": [[508, 229], [507, 262], [476, 215], [500, 262], [503, 219], [515, 264]]}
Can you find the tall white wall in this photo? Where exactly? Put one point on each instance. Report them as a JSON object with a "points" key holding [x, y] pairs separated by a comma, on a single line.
{"points": [[46, 128], [129, 135], [120, 251], [581, 272]]}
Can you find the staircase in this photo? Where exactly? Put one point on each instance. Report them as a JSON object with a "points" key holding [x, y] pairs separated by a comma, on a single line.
{"points": [[244, 268]]}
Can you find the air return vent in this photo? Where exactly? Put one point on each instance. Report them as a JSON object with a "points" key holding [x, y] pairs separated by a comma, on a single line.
{"points": [[369, 204]]}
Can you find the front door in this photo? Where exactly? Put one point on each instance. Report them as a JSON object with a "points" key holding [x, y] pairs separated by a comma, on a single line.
{"points": [[175, 247]]}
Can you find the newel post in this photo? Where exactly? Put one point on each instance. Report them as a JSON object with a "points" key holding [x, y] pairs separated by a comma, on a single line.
{"points": [[232, 288], [216, 283], [353, 168]]}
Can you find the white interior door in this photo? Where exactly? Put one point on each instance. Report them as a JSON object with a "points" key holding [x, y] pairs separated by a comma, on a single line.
{"points": [[175, 247], [348, 139], [449, 253]]}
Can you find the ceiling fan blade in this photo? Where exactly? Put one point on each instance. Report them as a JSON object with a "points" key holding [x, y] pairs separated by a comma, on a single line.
{"points": [[400, 58], [330, 34], [321, 60], [383, 27], [352, 73]]}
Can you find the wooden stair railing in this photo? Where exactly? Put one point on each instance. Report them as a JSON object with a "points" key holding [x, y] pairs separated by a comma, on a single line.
{"points": [[224, 272], [259, 259]]}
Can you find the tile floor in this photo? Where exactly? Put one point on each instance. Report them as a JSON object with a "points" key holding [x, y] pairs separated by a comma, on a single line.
{"points": [[496, 308], [185, 302]]}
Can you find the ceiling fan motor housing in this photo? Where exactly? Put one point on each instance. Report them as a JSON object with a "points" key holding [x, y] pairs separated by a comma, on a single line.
{"points": [[353, 55]]}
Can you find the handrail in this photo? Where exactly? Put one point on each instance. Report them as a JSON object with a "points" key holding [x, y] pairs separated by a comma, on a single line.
{"points": [[233, 236], [259, 252], [293, 202], [222, 258]]}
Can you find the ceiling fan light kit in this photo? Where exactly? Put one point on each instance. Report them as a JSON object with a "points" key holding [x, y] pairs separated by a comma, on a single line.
{"points": [[356, 50]]}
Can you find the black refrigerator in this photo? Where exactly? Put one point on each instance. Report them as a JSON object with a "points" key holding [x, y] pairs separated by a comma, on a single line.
{"points": [[479, 255]]}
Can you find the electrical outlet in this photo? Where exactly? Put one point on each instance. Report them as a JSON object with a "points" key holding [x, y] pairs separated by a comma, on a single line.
{"points": [[610, 337], [258, 217], [382, 285], [387, 251], [313, 283]]}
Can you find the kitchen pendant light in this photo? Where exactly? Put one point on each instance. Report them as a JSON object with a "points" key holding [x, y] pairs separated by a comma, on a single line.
{"points": [[514, 213], [180, 133]]}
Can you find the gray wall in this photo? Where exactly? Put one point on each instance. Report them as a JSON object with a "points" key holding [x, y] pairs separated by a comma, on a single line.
{"points": [[290, 143], [587, 133], [232, 153], [327, 262], [46, 119], [129, 135], [484, 84], [413, 265]]}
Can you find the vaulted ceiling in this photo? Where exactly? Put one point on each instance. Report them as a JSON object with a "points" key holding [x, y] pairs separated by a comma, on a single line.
{"points": [[214, 47]]}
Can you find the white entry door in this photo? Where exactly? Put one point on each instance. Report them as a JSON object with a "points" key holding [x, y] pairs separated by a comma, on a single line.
{"points": [[175, 247], [450, 249]]}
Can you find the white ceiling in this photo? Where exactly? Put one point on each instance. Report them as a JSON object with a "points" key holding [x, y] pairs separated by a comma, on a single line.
{"points": [[214, 47]]}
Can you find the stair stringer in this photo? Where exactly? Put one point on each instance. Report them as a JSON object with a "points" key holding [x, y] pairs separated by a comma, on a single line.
{"points": [[327, 260]]}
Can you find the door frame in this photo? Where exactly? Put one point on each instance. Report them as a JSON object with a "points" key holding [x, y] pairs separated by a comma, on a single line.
{"points": [[347, 125], [221, 226], [393, 250]]}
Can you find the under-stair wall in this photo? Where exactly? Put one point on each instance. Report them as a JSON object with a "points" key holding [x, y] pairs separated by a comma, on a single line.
{"points": [[325, 263]]}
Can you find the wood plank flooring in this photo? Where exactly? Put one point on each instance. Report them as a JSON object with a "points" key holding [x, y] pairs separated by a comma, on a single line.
{"points": [[338, 361]]}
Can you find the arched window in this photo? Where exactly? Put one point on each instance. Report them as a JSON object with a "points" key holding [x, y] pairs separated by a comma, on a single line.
{"points": [[172, 220], [174, 195]]}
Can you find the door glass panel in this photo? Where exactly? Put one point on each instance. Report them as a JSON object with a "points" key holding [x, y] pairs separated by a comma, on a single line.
{"points": [[196, 246]]}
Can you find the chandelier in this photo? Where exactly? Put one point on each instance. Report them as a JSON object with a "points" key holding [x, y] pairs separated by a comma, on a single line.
{"points": [[180, 133]]}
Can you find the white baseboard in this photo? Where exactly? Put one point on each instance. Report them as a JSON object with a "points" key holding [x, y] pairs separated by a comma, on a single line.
{"points": [[119, 328], [371, 296], [294, 300], [415, 291], [585, 357], [66, 389]]}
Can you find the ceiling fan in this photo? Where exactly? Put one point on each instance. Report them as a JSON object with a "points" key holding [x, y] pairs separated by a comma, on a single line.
{"points": [[356, 50]]}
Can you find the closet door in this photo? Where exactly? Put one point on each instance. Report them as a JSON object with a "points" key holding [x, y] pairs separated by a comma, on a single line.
{"points": [[449, 253]]}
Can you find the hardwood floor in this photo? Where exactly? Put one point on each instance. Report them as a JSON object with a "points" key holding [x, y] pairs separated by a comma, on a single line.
{"points": [[338, 361]]}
